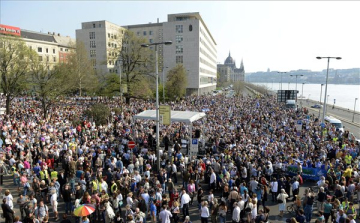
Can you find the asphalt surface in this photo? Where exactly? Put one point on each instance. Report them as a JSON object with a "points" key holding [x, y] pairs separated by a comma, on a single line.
{"points": [[342, 114]]}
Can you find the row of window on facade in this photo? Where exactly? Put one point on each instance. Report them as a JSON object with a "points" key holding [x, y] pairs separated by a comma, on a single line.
{"points": [[180, 28], [47, 59], [113, 71], [144, 33], [40, 50]]}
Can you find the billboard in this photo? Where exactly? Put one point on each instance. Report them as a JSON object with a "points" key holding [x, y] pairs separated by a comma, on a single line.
{"points": [[10, 30]]}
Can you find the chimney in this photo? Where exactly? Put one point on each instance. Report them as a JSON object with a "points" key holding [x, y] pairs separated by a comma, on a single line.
{"points": [[53, 33], [49, 32], [157, 20], [58, 34]]}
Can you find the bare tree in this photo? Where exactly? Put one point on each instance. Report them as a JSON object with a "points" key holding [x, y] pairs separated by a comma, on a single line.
{"points": [[14, 66]]}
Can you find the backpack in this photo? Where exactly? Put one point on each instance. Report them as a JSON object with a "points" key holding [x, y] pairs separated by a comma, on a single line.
{"points": [[301, 181]]}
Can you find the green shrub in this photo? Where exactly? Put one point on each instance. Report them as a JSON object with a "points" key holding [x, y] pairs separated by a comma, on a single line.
{"points": [[99, 113]]}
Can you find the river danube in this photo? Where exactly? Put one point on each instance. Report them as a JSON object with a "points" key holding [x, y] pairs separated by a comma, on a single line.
{"points": [[344, 95]]}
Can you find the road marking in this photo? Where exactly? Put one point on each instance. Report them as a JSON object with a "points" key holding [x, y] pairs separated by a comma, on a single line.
{"points": [[335, 116]]}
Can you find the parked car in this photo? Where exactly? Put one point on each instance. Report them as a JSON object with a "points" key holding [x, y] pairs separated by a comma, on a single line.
{"points": [[316, 106]]}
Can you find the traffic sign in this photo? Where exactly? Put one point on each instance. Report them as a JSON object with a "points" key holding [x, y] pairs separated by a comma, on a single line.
{"points": [[131, 144]]}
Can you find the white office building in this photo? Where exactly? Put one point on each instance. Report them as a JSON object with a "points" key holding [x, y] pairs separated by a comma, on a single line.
{"points": [[194, 46]]}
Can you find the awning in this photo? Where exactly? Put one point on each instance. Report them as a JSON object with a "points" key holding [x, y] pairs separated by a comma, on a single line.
{"points": [[176, 116]]}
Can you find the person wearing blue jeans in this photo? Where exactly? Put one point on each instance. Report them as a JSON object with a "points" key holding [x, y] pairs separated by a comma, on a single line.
{"points": [[308, 212], [68, 207]]}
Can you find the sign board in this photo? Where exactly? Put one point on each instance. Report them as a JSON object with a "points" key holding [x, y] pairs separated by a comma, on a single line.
{"points": [[194, 146], [283, 95], [165, 113], [131, 144], [10, 30], [299, 125]]}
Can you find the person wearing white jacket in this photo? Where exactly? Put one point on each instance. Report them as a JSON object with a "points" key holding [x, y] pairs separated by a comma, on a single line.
{"points": [[204, 212], [236, 213]]}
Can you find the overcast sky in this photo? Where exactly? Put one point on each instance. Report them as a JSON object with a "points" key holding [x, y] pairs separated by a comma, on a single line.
{"points": [[280, 35]]}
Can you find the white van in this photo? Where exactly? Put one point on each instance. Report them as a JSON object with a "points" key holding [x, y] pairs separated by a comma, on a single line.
{"points": [[335, 122], [291, 104]]}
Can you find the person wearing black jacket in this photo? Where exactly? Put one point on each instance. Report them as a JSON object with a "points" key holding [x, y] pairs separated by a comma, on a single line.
{"points": [[7, 212]]}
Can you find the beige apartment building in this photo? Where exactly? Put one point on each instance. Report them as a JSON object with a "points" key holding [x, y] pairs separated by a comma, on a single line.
{"points": [[51, 47], [101, 38]]}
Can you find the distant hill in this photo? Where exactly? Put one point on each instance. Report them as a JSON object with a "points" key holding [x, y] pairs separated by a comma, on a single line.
{"points": [[340, 76]]}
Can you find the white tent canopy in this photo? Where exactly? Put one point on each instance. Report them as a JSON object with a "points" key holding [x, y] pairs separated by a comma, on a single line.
{"points": [[187, 117], [176, 116]]}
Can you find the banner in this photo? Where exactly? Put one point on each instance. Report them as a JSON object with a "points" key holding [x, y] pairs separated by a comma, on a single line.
{"points": [[307, 172], [165, 113], [10, 30]]}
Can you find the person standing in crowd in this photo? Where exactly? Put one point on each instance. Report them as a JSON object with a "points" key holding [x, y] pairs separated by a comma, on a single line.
{"points": [[8, 213], [165, 215], [185, 201], [281, 198], [204, 212]]}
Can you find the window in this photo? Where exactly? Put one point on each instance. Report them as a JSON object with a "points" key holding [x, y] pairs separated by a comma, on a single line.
{"points": [[179, 28], [179, 49], [92, 44], [108, 35], [138, 33], [93, 25], [114, 36], [92, 53], [190, 28], [47, 50], [66, 50], [53, 51], [39, 50], [179, 59], [93, 61], [54, 59], [47, 59], [40, 58], [150, 33], [99, 25], [144, 33], [92, 35], [179, 39], [1, 46], [150, 41]]}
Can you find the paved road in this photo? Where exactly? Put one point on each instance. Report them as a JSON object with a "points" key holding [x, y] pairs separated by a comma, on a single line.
{"points": [[343, 115]]}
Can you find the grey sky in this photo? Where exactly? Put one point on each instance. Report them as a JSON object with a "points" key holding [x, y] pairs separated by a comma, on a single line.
{"points": [[277, 35]]}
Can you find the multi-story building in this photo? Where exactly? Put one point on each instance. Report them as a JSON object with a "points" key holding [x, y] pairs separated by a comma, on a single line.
{"points": [[193, 46], [100, 39], [229, 72], [52, 48]]}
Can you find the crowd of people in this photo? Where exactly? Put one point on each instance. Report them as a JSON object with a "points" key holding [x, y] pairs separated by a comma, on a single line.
{"points": [[247, 143]]}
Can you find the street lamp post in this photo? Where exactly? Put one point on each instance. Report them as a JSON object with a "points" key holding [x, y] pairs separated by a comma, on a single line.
{"points": [[157, 98], [296, 76], [281, 78], [327, 77], [320, 98], [354, 110], [163, 83], [302, 90]]}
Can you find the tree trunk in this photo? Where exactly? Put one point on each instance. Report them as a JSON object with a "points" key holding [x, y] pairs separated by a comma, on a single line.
{"points": [[43, 103], [8, 104]]}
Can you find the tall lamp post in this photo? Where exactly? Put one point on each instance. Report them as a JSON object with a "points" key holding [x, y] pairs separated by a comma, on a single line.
{"points": [[302, 90], [157, 97], [281, 78], [327, 77], [354, 110], [320, 98], [163, 83], [296, 76]]}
